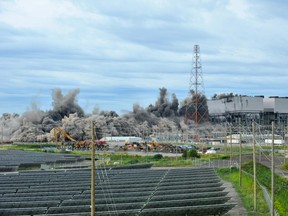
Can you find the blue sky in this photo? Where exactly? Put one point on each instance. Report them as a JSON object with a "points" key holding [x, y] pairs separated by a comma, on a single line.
{"points": [[120, 52]]}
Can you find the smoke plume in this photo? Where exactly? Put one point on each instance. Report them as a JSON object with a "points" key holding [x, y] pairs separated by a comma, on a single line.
{"points": [[64, 105], [163, 107], [36, 125], [34, 114]]}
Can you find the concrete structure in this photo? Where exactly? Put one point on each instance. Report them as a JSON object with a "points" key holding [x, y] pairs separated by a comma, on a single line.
{"points": [[276, 141], [276, 104], [125, 139], [260, 109], [238, 104]]}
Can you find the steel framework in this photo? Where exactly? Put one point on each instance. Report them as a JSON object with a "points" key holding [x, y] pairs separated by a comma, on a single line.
{"points": [[197, 110]]}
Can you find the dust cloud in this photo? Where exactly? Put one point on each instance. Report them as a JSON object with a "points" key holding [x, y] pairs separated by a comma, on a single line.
{"points": [[35, 125]]}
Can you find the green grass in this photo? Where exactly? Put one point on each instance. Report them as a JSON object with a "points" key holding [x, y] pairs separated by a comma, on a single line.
{"points": [[245, 191], [281, 186], [126, 159], [119, 158], [285, 166]]}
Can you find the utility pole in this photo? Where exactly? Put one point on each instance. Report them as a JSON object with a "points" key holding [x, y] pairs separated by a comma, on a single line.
{"points": [[3, 131], [254, 168], [230, 147], [225, 140], [272, 172], [285, 145], [176, 151], [240, 154], [92, 170]]}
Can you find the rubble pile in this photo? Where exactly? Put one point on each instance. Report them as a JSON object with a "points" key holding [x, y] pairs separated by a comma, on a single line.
{"points": [[151, 147]]}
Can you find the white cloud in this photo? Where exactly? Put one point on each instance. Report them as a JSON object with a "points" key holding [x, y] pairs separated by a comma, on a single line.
{"points": [[45, 14], [240, 8], [127, 47]]}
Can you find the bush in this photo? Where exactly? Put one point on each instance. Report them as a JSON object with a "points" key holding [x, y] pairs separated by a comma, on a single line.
{"points": [[134, 161], [157, 157], [223, 157], [284, 166], [192, 153]]}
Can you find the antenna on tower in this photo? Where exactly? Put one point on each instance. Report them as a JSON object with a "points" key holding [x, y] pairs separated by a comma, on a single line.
{"points": [[196, 109]]}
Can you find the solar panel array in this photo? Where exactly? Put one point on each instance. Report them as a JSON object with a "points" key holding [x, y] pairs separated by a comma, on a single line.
{"points": [[12, 159], [118, 192]]}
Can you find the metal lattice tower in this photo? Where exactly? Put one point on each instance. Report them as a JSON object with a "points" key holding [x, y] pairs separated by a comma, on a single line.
{"points": [[197, 110]]}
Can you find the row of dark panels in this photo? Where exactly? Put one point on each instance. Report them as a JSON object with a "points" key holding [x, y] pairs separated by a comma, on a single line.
{"points": [[43, 182], [118, 198], [17, 157], [129, 192], [214, 209]]}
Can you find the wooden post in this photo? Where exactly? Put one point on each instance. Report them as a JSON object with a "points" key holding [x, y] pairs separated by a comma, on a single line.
{"points": [[3, 133], [254, 167], [260, 153], [285, 145], [240, 154], [230, 147], [92, 170], [282, 131], [225, 140], [272, 172], [176, 151]]}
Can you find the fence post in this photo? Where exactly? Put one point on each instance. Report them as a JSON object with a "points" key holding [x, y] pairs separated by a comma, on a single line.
{"points": [[272, 172], [92, 170], [240, 153], [254, 168], [285, 144], [225, 140], [230, 147]]}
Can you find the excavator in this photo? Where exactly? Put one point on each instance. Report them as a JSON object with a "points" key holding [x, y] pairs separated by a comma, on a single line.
{"points": [[64, 135], [84, 144]]}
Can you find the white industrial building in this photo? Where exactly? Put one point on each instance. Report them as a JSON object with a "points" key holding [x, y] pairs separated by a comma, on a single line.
{"points": [[276, 105], [124, 139], [238, 104], [262, 110]]}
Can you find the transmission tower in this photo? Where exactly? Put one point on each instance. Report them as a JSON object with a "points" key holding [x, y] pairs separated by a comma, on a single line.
{"points": [[197, 109]]}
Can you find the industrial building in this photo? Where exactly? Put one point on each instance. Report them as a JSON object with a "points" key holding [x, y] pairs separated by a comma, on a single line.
{"points": [[124, 139], [247, 108]]}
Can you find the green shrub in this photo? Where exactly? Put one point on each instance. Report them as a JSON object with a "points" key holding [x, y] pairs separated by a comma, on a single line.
{"points": [[157, 157], [134, 161], [285, 166], [192, 153], [223, 157]]}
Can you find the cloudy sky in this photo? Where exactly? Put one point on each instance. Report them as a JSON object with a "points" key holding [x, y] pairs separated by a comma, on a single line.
{"points": [[120, 52]]}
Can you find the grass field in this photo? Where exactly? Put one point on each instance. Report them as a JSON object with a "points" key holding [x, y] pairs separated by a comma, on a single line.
{"points": [[281, 186], [119, 158], [246, 191]]}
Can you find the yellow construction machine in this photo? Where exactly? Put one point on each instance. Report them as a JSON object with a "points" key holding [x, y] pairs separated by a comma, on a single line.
{"points": [[64, 135], [83, 144]]}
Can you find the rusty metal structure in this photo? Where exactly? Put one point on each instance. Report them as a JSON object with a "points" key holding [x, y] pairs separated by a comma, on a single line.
{"points": [[197, 110]]}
